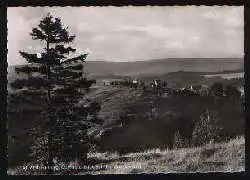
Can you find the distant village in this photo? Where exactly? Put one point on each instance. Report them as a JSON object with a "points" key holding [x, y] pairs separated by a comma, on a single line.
{"points": [[160, 88]]}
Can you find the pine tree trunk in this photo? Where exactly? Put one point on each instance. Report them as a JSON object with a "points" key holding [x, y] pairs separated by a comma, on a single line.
{"points": [[50, 150], [48, 70]]}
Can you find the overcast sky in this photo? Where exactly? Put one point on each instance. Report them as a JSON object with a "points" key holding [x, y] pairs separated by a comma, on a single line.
{"points": [[136, 33]]}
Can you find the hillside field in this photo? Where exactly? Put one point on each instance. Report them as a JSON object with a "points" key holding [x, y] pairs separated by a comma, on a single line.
{"points": [[139, 127]]}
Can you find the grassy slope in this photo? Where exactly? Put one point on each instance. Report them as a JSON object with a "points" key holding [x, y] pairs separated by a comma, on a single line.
{"points": [[143, 130], [222, 157], [112, 101]]}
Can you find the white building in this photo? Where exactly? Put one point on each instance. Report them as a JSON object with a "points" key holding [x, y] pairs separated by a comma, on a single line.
{"points": [[241, 89]]}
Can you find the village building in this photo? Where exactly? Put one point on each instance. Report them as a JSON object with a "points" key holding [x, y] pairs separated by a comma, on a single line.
{"points": [[241, 90], [106, 82]]}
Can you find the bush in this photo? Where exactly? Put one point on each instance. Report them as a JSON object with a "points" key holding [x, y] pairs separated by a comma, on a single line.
{"points": [[217, 89], [206, 129], [232, 91], [180, 141]]}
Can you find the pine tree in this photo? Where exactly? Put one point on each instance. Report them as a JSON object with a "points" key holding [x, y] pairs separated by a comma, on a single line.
{"points": [[206, 129], [179, 141], [63, 130], [217, 89]]}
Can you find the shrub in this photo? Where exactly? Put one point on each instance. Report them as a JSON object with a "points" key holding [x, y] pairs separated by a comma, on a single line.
{"points": [[179, 141], [217, 89], [232, 91], [206, 129]]}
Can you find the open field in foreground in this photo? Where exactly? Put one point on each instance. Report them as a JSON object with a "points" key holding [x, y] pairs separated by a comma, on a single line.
{"points": [[220, 157]]}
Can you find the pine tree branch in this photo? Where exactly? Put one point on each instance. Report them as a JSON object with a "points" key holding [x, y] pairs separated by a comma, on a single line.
{"points": [[55, 57], [62, 38], [46, 25], [75, 59], [77, 67], [27, 69], [32, 58], [17, 84], [58, 52], [54, 30], [67, 74], [62, 50], [38, 34], [35, 82]]}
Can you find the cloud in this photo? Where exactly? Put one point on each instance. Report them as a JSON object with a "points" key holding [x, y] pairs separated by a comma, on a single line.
{"points": [[137, 33], [100, 38]]}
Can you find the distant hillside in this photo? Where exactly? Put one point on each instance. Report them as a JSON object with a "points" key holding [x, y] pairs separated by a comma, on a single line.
{"points": [[106, 69], [163, 66]]}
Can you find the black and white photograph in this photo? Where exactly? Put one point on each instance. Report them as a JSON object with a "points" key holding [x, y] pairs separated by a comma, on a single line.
{"points": [[125, 90]]}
